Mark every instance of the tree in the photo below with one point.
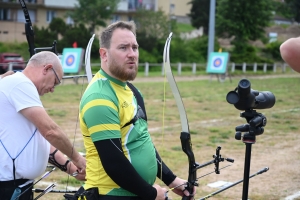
(77, 33)
(155, 24)
(151, 28)
(93, 12)
(244, 20)
(43, 37)
(58, 26)
(200, 14)
(292, 8)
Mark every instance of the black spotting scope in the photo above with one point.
(244, 98)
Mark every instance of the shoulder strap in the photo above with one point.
(138, 97)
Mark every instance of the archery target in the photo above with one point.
(217, 62)
(72, 60)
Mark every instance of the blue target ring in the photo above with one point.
(217, 62)
(70, 60)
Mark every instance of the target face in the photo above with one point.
(70, 60)
(217, 62)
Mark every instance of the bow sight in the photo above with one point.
(244, 98)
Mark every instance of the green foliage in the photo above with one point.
(77, 34)
(187, 51)
(291, 9)
(58, 26)
(272, 50)
(282, 9)
(183, 28)
(147, 57)
(243, 19)
(152, 24)
(44, 37)
(20, 48)
(246, 53)
(199, 14)
(93, 12)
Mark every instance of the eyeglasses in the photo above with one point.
(56, 77)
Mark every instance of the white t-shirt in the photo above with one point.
(17, 92)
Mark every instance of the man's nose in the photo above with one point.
(132, 52)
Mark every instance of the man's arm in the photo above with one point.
(290, 53)
(52, 132)
(112, 158)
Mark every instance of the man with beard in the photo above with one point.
(290, 53)
(122, 162)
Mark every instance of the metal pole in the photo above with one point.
(211, 30)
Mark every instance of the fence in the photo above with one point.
(231, 67)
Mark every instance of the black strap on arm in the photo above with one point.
(54, 162)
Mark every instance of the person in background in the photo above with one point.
(29, 138)
(290, 53)
(122, 162)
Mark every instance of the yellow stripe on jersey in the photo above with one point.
(98, 102)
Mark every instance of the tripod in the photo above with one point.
(255, 123)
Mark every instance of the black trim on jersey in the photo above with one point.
(139, 98)
(141, 112)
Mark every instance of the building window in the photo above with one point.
(69, 20)
(115, 18)
(172, 8)
(21, 18)
(50, 15)
(4, 14)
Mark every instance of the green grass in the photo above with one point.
(183, 27)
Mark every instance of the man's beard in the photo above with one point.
(120, 71)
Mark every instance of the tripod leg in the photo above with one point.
(247, 170)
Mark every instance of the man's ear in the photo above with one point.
(46, 68)
(103, 54)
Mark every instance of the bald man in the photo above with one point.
(290, 53)
(29, 138)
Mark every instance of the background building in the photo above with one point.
(41, 13)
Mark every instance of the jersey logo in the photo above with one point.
(125, 104)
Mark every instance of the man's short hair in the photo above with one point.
(105, 37)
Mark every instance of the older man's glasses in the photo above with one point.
(58, 81)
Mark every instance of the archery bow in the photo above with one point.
(28, 28)
(185, 136)
(88, 69)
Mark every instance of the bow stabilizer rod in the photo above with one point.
(233, 184)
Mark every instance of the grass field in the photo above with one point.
(212, 123)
